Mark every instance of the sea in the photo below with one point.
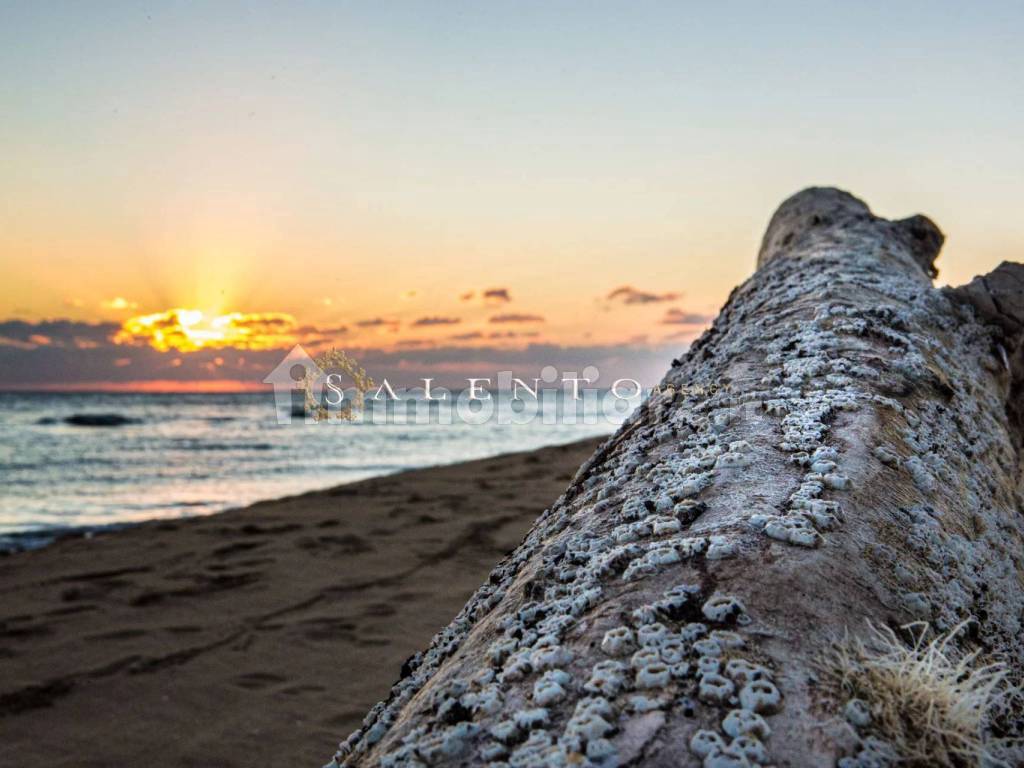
(179, 455)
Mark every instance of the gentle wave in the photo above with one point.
(200, 445)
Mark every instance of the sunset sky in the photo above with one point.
(188, 189)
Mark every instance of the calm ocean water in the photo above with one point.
(185, 455)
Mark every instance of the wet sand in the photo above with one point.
(259, 636)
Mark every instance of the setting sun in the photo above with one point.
(189, 330)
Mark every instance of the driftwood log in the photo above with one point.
(841, 449)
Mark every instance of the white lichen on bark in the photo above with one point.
(838, 448)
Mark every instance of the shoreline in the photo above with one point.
(272, 627)
(11, 543)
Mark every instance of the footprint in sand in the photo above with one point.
(347, 544)
(296, 690)
(120, 634)
(240, 546)
(256, 681)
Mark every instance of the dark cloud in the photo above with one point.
(315, 336)
(489, 295)
(377, 322)
(438, 321)
(497, 295)
(315, 330)
(414, 343)
(265, 323)
(513, 334)
(471, 335)
(517, 318)
(627, 294)
(59, 333)
(680, 317)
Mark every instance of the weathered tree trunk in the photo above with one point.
(840, 447)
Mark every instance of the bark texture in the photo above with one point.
(840, 447)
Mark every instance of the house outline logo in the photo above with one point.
(283, 378)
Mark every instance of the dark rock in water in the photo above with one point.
(46, 420)
(99, 420)
(299, 411)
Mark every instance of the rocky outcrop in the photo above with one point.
(839, 449)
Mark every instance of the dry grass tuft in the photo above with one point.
(929, 703)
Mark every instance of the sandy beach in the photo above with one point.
(259, 636)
